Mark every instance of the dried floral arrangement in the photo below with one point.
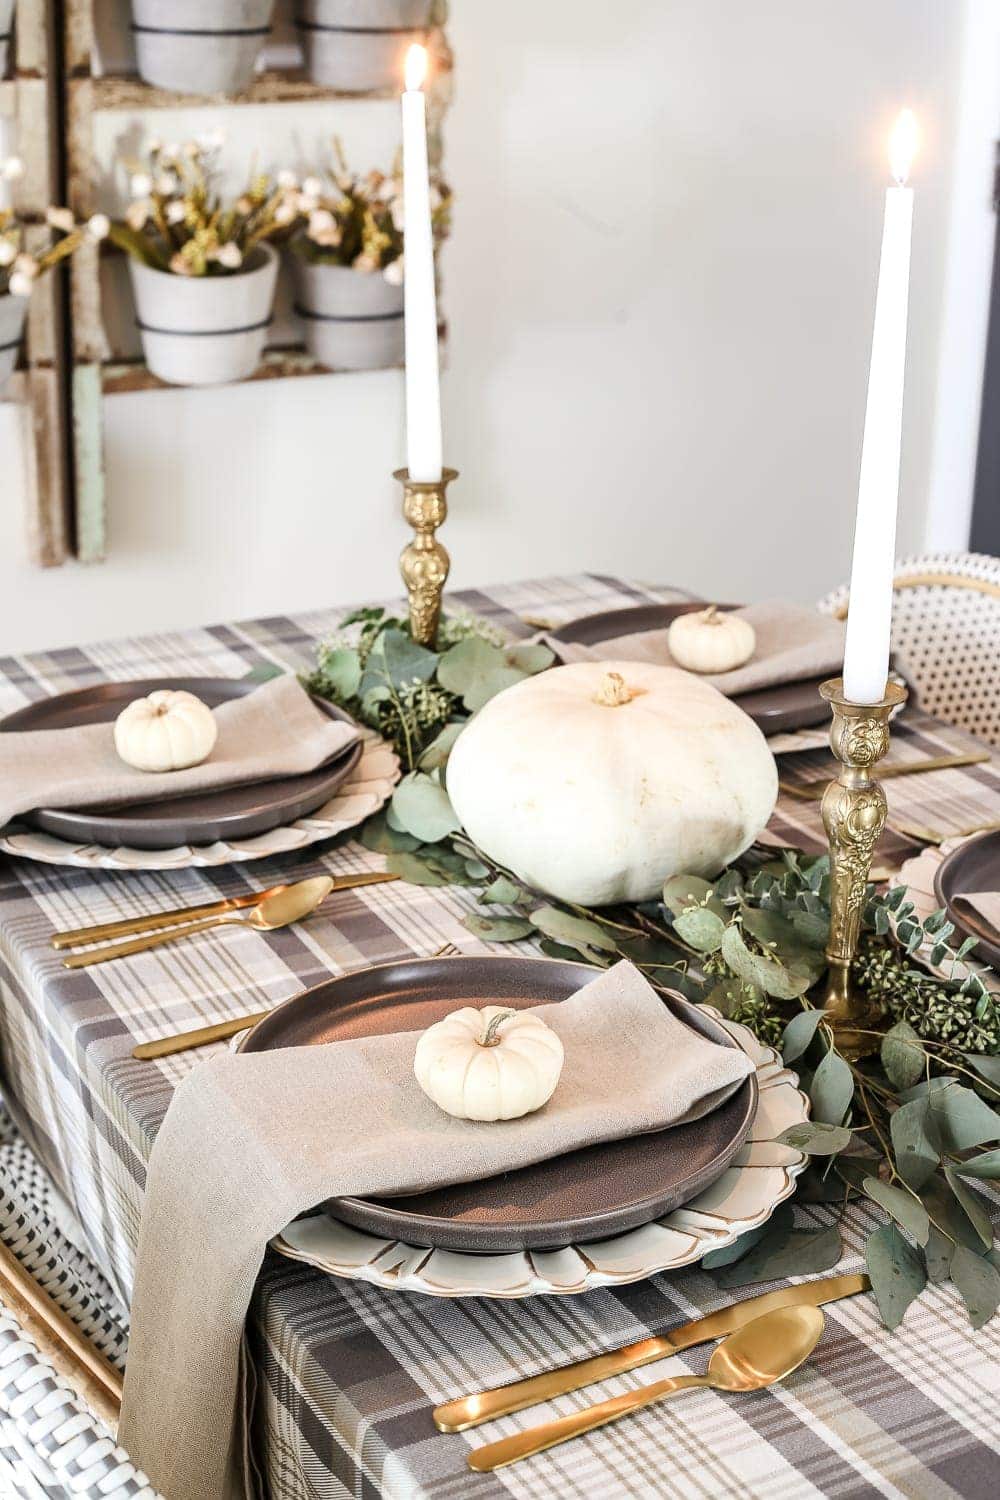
(21, 268)
(177, 220)
(357, 220)
(912, 1128)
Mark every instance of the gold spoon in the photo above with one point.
(278, 909)
(756, 1355)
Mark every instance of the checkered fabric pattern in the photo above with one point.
(347, 1374)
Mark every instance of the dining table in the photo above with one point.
(348, 1373)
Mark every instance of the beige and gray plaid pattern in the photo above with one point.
(348, 1374)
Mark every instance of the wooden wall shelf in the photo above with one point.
(291, 86)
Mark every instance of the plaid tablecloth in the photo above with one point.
(348, 1372)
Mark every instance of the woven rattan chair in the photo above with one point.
(946, 635)
(63, 1337)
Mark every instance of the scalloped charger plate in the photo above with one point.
(367, 788)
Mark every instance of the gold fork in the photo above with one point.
(202, 1036)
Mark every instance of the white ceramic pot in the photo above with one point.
(198, 48)
(355, 46)
(353, 319)
(13, 311)
(205, 330)
(6, 34)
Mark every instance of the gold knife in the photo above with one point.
(472, 1411)
(76, 937)
(812, 791)
(182, 1041)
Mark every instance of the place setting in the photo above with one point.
(439, 1031)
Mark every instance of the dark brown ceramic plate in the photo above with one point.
(237, 812)
(585, 1195)
(973, 866)
(790, 705)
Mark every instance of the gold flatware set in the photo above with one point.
(764, 1339)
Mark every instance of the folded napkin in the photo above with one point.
(274, 731)
(986, 904)
(793, 643)
(252, 1140)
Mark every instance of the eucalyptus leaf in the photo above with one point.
(744, 1242)
(772, 977)
(804, 1252)
(831, 1090)
(986, 1067)
(897, 1271)
(729, 888)
(815, 1138)
(916, 1142)
(381, 839)
(799, 1033)
(683, 891)
(938, 1253)
(475, 670)
(413, 870)
(435, 755)
(948, 1214)
(907, 1211)
(490, 685)
(396, 661)
(978, 1281)
(652, 953)
(573, 931)
(504, 892)
(987, 1165)
(812, 928)
(498, 929)
(902, 1056)
(777, 931)
(972, 1206)
(422, 807)
(565, 954)
(963, 1119)
(476, 870)
(701, 928)
(341, 670)
(530, 657)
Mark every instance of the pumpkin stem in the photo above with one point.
(711, 616)
(491, 1036)
(613, 691)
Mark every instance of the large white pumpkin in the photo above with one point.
(595, 782)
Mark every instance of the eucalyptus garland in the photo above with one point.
(912, 1129)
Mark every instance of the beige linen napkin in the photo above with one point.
(793, 643)
(274, 731)
(252, 1140)
(986, 903)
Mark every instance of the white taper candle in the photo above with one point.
(869, 620)
(423, 393)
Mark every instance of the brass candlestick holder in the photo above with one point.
(424, 563)
(854, 813)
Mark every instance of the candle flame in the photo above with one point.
(903, 143)
(416, 66)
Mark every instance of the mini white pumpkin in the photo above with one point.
(165, 732)
(709, 640)
(489, 1064)
(596, 781)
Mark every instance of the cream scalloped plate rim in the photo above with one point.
(368, 789)
(762, 1175)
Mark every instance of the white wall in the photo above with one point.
(660, 294)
